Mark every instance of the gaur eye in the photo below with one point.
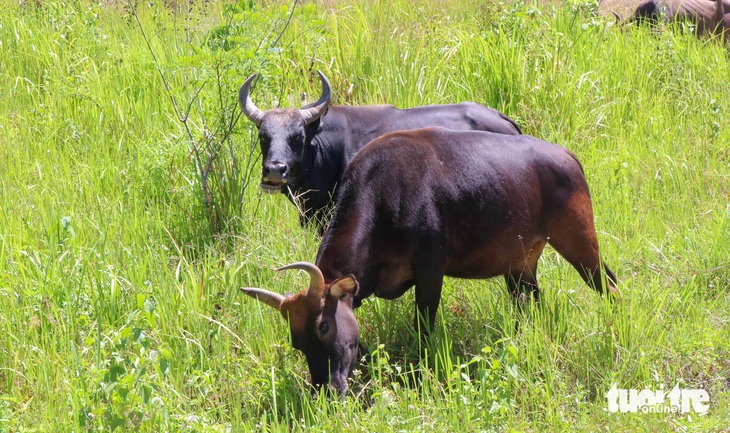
(324, 327)
(299, 137)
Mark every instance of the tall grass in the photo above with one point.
(121, 308)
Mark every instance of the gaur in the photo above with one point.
(305, 151)
(415, 206)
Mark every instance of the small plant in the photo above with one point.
(202, 87)
(121, 390)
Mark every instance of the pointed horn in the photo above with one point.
(320, 107)
(247, 106)
(316, 279)
(618, 18)
(269, 298)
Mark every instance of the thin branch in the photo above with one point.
(154, 57)
(286, 24)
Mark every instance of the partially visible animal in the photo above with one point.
(419, 205)
(305, 151)
(705, 14)
(709, 16)
(722, 17)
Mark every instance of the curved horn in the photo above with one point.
(269, 298)
(618, 18)
(316, 279)
(320, 107)
(247, 106)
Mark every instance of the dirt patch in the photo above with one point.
(624, 8)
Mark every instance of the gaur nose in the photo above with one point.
(275, 171)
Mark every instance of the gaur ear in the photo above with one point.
(269, 298)
(343, 287)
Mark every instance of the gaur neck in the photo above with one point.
(342, 252)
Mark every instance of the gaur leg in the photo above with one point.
(429, 282)
(321, 219)
(314, 209)
(582, 253)
(523, 287)
(573, 235)
(522, 283)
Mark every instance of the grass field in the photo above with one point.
(130, 216)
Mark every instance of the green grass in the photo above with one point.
(120, 284)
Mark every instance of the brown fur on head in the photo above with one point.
(322, 324)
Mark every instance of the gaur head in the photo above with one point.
(322, 324)
(283, 135)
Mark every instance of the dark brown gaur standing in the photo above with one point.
(305, 151)
(416, 206)
(710, 16)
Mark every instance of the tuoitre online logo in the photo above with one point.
(678, 400)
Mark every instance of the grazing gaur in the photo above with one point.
(419, 205)
(707, 15)
(305, 151)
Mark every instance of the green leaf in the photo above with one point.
(149, 305)
(116, 422)
(164, 366)
(141, 298)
